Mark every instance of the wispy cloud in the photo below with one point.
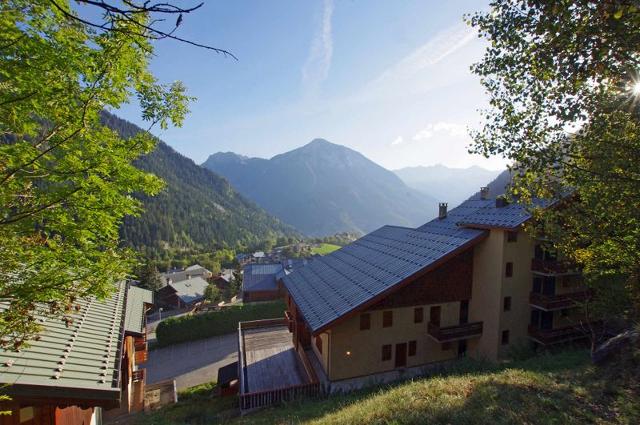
(440, 128)
(452, 129)
(397, 141)
(431, 65)
(316, 68)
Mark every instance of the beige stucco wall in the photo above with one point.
(365, 347)
(518, 288)
(486, 301)
(490, 286)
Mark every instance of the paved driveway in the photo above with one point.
(192, 363)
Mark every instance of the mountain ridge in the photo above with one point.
(323, 188)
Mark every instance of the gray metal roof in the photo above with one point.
(188, 273)
(190, 290)
(336, 284)
(134, 316)
(507, 217)
(261, 277)
(81, 360)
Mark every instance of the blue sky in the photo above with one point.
(390, 79)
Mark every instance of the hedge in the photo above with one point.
(175, 330)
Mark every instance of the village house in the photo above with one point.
(401, 301)
(182, 294)
(261, 282)
(195, 270)
(81, 369)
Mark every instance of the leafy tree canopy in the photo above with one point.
(66, 180)
(564, 82)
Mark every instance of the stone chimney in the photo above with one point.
(484, 192)
(442, 211)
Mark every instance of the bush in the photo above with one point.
(189, 328)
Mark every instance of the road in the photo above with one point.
(192, 363)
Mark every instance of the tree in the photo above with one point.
(563, 82)
(212, 294)
(150, 278)
(66, 181)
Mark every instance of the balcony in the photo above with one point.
(289, 318)
(552, 267)
(271, 369)
(559, 335)
(454, 333)
(138, 375)
(557, 302)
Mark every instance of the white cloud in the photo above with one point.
(316, 68)
(449, 128)
(397, 141)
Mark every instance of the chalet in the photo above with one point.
(195, 270)
(182, 294)
(81, 370)
(223, 279)
(400, 301)
(260, 282)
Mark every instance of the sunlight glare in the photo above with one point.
(635, 88)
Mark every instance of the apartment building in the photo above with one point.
(399, 301)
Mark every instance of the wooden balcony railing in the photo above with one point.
(454, 333)
(557, 302)
(141, 356)
(558, 335)
(289, 318)
(552, 267)
(138, 375)
(256, 400)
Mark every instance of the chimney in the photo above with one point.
(442, 211)
(484, 192)
(501, 201)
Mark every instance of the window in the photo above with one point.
(319, 343)
(386, 352)
(564, 312)
(365, 321)
(462, 348)
(508, 271)
(512, 236)
(434, 315)
(506, 304)
(387, 319)
(413, 346)
(418, 315)
(505, 337)
(464, 312)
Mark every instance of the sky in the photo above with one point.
(389, 79)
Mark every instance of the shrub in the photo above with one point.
(175, 330)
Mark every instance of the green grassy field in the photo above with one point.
(324, 249)
(564, 388)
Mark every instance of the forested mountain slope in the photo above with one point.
(197, 208)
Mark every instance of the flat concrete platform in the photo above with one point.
(271, 360)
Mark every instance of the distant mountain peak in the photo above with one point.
(324, 188)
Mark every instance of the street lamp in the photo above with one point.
(160, 314)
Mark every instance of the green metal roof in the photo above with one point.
(79, 360)
(134, 316)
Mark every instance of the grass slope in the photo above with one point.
(324, 249)
(551, 389)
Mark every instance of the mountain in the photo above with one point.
(451, 185)
(323, 188)
(197, 207)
